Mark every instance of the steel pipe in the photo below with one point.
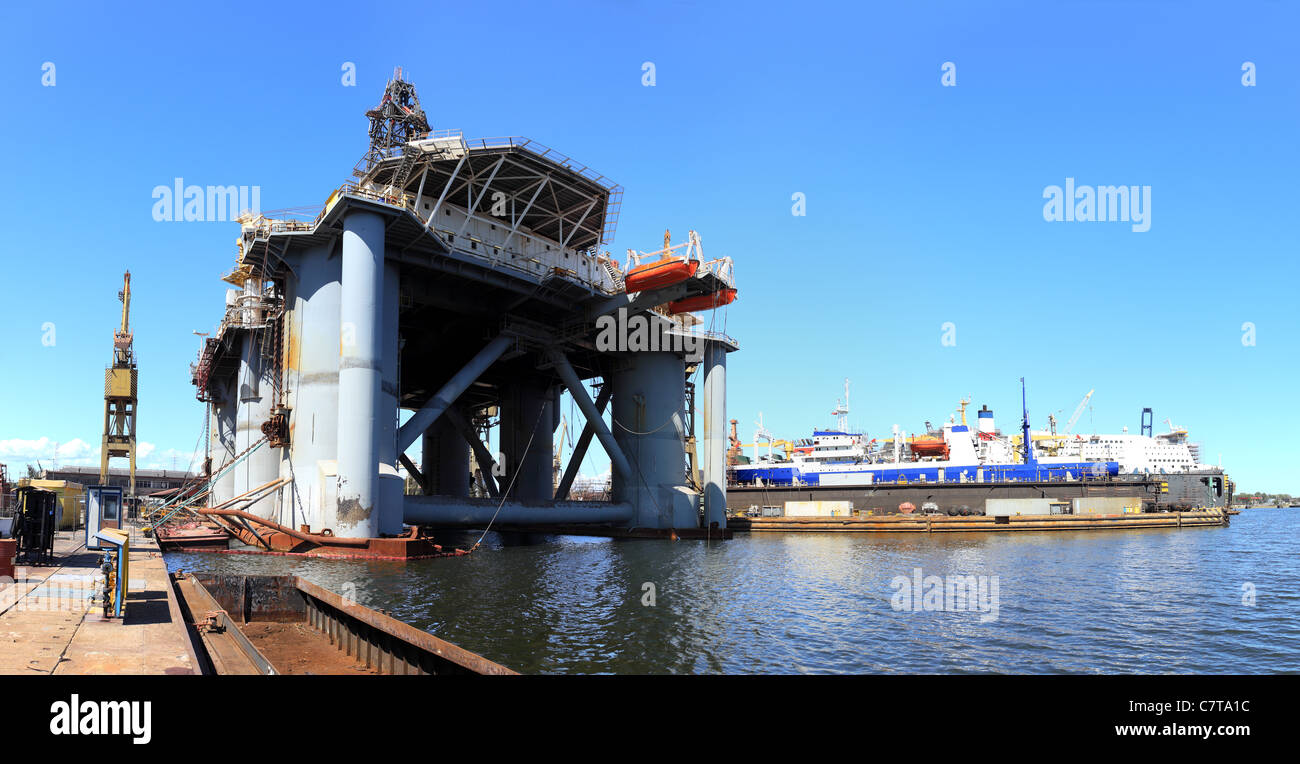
(441, 510)
(447, 395)
(580, 448)
(594, 417)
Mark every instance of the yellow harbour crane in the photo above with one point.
(120, 395)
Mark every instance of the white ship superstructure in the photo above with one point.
(1162, 454)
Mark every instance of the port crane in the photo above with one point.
(762, 433)
(557, 466)
(1053, 440)
(786, 446)
(120, 395)
(1078, 412)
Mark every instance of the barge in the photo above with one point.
(1154, 492)
(263, 625)
(935, 523)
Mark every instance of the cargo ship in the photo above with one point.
(956, 469)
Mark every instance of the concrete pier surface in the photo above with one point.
(50, 622)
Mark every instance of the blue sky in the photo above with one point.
(924, 203)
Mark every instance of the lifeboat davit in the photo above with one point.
(929, 445)
(703, 302)
(659, 274)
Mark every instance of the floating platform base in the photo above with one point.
(707, 534)
(1216, 516)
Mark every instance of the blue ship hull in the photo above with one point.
(789, 475)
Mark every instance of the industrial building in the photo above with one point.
(449, 288)
(146, 481)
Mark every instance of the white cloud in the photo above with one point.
(168, 458)
(48, 452)
(19, 452)
(77, 449)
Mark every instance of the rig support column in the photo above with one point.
(222, 434)
(446, 460)
(313, 376)
(526, 433)
(360, 362)
(390, 482)
(256, 397)
(649, 398)
(714, 462)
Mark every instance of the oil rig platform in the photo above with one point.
(449, 288)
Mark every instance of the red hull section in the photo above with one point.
(660, 274)
(703, 302)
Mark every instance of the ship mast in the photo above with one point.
(1029, 439)
(841, 409)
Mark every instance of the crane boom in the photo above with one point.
(126, 303)
(1078, 412)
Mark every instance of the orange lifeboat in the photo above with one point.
(929, 445)
(703, 302)
(660, 273)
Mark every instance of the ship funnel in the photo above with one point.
(985, 420)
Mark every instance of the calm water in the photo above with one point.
(1102, 601)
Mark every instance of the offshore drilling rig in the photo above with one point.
(120, 395)
(449, 287)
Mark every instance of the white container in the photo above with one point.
(1004, 507)
(818, 508)
(1107, 505)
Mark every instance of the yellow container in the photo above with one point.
(71, 498)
